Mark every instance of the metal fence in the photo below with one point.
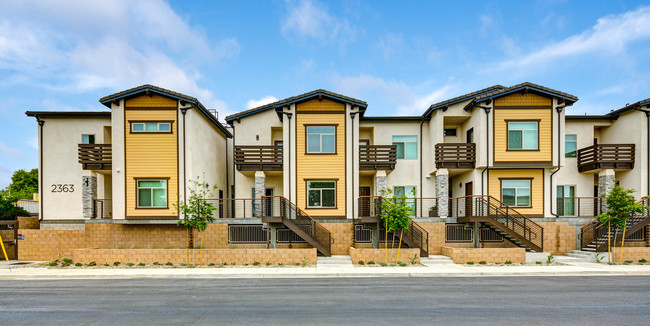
(247, 234)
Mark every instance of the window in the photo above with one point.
(515, 193)
(321, 139)
(449, 132)
(522, 135)
(87, 139)
(409, 192)
(407, 146)
(321, 194)
(151, 127)
(565, 200)
(152, 193)
(570, 145)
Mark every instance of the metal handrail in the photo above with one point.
(595, 232)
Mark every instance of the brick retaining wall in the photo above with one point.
(634, 253)
(177, 256)
(378, 255)
(489, 255)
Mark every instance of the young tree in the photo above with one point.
(396, 215)
(622, 205)
(196, 212)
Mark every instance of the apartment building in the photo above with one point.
(498, 167)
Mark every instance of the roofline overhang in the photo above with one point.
(68, 114)
(567, 100)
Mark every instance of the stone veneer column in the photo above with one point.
(88, 193)
(380, 180)
(442, 191)
(260, 190)
(605, 182)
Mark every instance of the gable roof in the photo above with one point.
(461, 98)
(529, 87)
(300, 98)
(147, 89)
(611, 115)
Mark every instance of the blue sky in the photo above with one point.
(399, 56)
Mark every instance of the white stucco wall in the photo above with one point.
(61, 137)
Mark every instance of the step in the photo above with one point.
(334, 260)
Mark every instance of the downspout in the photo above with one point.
(421, 159)
(183, 111)
(40, 163)
(487, 110)
(559, 157)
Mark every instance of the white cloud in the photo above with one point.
(257, 103)
(390, 44)
(86, 45)
(397, 93)
(487, 23)
(10, 153)
(611, 35)
(306, 19)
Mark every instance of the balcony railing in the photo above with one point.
(370, 206)
(102, 208)
(581, 206)
(455, 155)
(606, 156)
(95, 156)
(258, 158)
(377, 157)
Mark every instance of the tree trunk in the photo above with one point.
(201, 251)
(386, 244)
(609, 237)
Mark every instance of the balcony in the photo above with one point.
(258, 158)
(606, 156)
(455, 155)
(377, 157)
(95, 156)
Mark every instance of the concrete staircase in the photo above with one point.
(334, 261)
(435, 260)
(586, 256)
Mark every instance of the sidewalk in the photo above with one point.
(11, 271)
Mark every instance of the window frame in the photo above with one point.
(575, 153)
(415, 205)
(137, 192)
(536, 121)
(530, 191)
(89, 135)
(444, 132)
(157, 122)
(307, 189)
(564, 202)
(393, 142)
(307, 152)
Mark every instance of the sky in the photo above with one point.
(398, 56)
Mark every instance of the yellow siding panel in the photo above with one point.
(522, 100)
(501, 152)
(323, 105)
(536, 191)
(153, 101)
(325, 167)
(151, 156)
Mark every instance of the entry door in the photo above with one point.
(269, 203)
(364, 201)
(469, 191)
(470, 135)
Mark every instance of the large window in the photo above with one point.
(565, 200)
(152, 193)
(515, 193)
(408, 192)
(523, 135)
(407, 146)
(163, 127)
(321, 194)
(87, 139)
(321, 139)
(570, 145)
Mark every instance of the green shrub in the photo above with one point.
(280, 264)
(92, 263)
(78, 264)
(643, 261)
(169, 263)
(361, 262)
(141, 264)
(256, 263)
(116, 263)
(371, 262)
(403, 264)
(305, 261)
(470, 263)
(627, 262)
(106, 264)
(268, 263)
(130, 264)
(508, 262)
(383, 264)
(414, 259)
(211, 264)
(482, 262)
(538, 262)
(550, 258)
(156, 263)
(598, 257)
(67, 261)
(182, 264)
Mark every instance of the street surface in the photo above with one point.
(616, 300)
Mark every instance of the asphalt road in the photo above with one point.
(341, 301)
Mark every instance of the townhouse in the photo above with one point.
(499, 167)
